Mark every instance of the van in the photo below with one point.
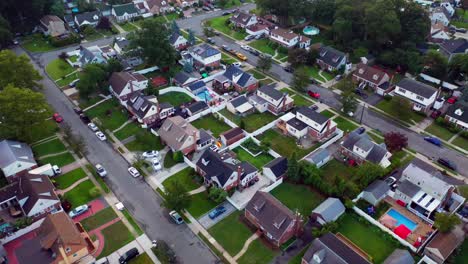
(127, 256)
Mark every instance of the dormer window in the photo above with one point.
(375, 77)
(459, 112)
(361, 71)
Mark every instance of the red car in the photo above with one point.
(452, 100)
(313, 94)
(58, 118)
(436, 114)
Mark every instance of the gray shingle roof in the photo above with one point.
(12, 151)
(399, 256)
(330, 209)
(92, 17)
(455, 110)
(455, 45)
(418, 88)
(378, 188)
(270, 90)
(204, 50)
(278, 166)
(331, 56)
(313, 115)
(408, 188)
(125, 8)
(319, 156)
(364, 144)
(297, 124)
(238, 101)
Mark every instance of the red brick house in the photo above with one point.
(237, 79)
(232, 136)
(147, 109)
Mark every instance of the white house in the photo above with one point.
(458, 115)
(204, 55)
(239, 105)
(243, 19)
(147, 109)
(124, 12)
(15, 158)
(178, 41)
(360, 148)
(277, 101)
(331, 59)
(421, 96)
(310, 122)
(440, 15)
(87, 18)
(123, 84)
(276, 168)
(289, 39)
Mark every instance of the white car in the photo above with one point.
(78, 211)
(245, 47)
(150, 154)
(56, 169)
(237, 64)
(101, 136)
(100, 170)
(214, 148)
(134, 172)
(93, 127)
(156, 164)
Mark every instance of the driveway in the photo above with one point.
(207, 222)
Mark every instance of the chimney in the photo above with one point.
(298, 223)
(239, 174)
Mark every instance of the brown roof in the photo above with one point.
(119, 80)
(232, 133)
(443, 244)
(175, 131)
(303, 38)
(369, 73)
(287, 34)
(59, 229)
(50, 18)
(35, 187)
(241, 18)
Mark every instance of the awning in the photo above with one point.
(402, 231)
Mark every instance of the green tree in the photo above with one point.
(311, 174)
(300, 79)
(459, 67)
(5, 32)
(293, 172)
(176, 197)
(85, 5)
(17, 71)
(216, 194)
(191, 38)
(264, 63)
(402, 108)
(436, 64)
(178, 157)
(76, 142)
(91, 80)
(242, 124)
(446, 222)
(297, 57)
(57, 8)
(367, 173)
(113, 65)
(104, 23)
(349, 102)
(174, 27)
(21, 109)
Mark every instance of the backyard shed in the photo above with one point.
(328, 211)
(375, 192)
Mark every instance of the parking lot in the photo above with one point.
(207, 222)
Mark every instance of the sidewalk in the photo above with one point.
(142, 243)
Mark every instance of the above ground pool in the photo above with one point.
(311, 30)
(402, 220)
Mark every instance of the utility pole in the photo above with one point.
(362, 112)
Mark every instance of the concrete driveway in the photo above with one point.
(207, 222)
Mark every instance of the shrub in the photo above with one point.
(57, 42)
(178, 157)
(464, 134)
(23, 222)
(94, 192)
(388, 97)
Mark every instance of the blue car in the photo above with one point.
(433, 140)
(217, 212)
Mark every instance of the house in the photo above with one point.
(331, 249)
(376, 79)
(52, 26)
(375, 192)
(87, 18)
(16, 158)
(277, 102)
(66, 240)
(275, 221)
(178, 41)
(123, 84)
(319, 157)
(308, 122)
(443, 244)
(328, 211)
(204, 55)
(235, 78)
(205, 140)
(399, 256)
(197, 87)
(232, 136)
(158, 7)
(457, 114)
(196, 107)
(330, 59)
(121, 45)
(258, 29)
(421, 96)
(179, 135)
(440, 15)
(453, 47)
(243, 19)
(439, 33)
(289, 39)
(90, 55)
(224, 171)
(183, 79)
(276, 169)
(360, 148)
(69, 20)
(147, 109)
(125, 12)
(240, 106)
(448, 7)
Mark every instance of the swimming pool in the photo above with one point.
(311, 30)
(402, 220)
(205, 95)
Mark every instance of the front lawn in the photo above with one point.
(461, 142)
(80, 194)
(300, 100)
(257, 74)
(219, 23)
(390, 107)
(439, 131)
(58, 68)
(128, 27)
(262, 45)
(296, 196)
(462, 256)
(115, 236)
(200, 204)
(49, 147)
(313, 72)
(43, 130)
(145, 141)
(252, 122)
(109, 113)
(283, 144)
(99, 218)
(344, 124)
(127, 131)
(141, 259)
(66, 180)
(327, 113)
(257, 253)
(231, 233)
(258, 161)
(211, 123)
(174, 98)
(36, 43)
(169, 161)
(59, 160)
(184, 177)
(67, 80)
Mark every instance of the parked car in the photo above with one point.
(211, 40)
(435, 114)
(452, 100)
(56, 169)
(289, 69)
(214, 148)
(176, 217)
(134, 172)
(241, 56)
(101, 136)
(361, 130)
(57, 118)
(249, 37)
(206, 8)
(225, 47)
(100, 170)
(245, 47)
(314, 107)
(254, 52)
(360, 93)
(78, 211)
(313, 94)
(85, 119)
(77, 110)
(93, 127)
(226, 13)
(156, 164)
(464, 211)
(260, 36)
(338, 77)
(390, 180)
(217, 212)
(129, 255)
(73, 83)
(447, 163)
(433, 140)
(460, 30)
(265, 55)
(150, 154)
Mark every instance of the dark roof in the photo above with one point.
(238, 101)
(50, 18)
(270, 213)
(247, 169)
(241, 18)
(378, 188)
(232, 133)
(331, 56)
(59, 230)
(174, 37)
(377, 153)
(458, 111)
(232, 72)
(408, 188)
(278, 166)
(125, 8)
(270, 90)
(284, 33)
(297, 124)
(197, 107)
(313, 115)
(455, 45)
(399, 256)
(214, 166)
(204, 136)
(204, 50)
(141, 104)
(416, 87)
(91, 17)
(181, 77)
(123, 44)
(119, 80)
(352, 138)
(68, 18)
(363, 141)
(165, 105)
(196, 85)
(369, 73)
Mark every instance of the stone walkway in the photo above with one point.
(53, 154)
(198, 190)
(72, 166)
(98, 103)
(119, 28)
(246, 246)
(44, 140)
(122, 126)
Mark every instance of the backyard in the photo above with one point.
(257, 253)
(109, 114)
(391, 107)
(184, 177)
(211, 123)
(252, 122)
(59, 160)
(58, 68)
(115, 237)
(462, 256)
(284, 145)
(334, 168)
(66, 180)
(49, 147)
(200, 204)
(81, 194)
(258, 161)
(296, 196)
(99, 218)
(174, 98)
(219, 23)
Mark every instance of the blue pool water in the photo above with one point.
(311, 30)
(205, 96)
(401, 219)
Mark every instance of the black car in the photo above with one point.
(314, 107)
(447, 163)
(288, 69)
(254, 52)
(127, 256)
(226, 13)
(361, 130)
(464, 211)
(225, 47)
(77, 110)
(360, 93)
(85, 119)
(210, 40)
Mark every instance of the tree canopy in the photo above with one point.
(91, 79)
(17, 71)
(5, 32)
(176, 197)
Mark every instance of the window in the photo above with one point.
(420, 98)
(401, 90)
(67, 250)
(74, 255)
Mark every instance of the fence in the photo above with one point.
(179, 90)
(150, 69)
(437, 81)
(226, 120)
(271, 152)
(211, 77)
(272, 186)
(199, 115)
(23, 231)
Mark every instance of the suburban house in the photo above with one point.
(179, 135)
(274, 220)
(308, 122)
(232, 136)
(123, 84)
(399, 256)
(147, 109)
(204, 55)
(377, 80)
(87, 18)
(360, 148)
(196, 107)
(443, 244)
(243, 19)
(375, 192)
(240, 106)
(53, 26)
(319, 157)
(66, 241)
(289, 39)
(452, 47)
(421, 96)
(121, 45)
(439, 33)
(328, 211)
(258, 29)
(331, 249)
(124, 12)
(447, 4)
(157, 7)
(235, 78)
(271, 99)
(276, 169)
(16, 158)
(330, 59)
(183, 79)
(224, 171)
(178, 41)
(458, 114)
(89, 55)
(440, 15)
(69, 20)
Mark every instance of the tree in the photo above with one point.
(178, 157)
(242, 124)
(311, 173)
(264, 63)
(77, 143)
(436, 64)
(57, 8)
(191, 38)
(349, 102)
(216, 194)
(5, 32)
(85, 5)
(395, 141)
(402, 108)
(17, 71)
(367, 173)
(293, 172)
(91, 79)
(446, 222)
(21, 109)
(104, 23)
(153, 38)
(300, 79)
(459, 67)
(175, 28)
(113, 65)
(312, 56)
(297, 57)
(176, 197)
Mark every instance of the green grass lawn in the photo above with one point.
(462, 256)
(344, 124)
(59, 160)
(49, 147)
(335, 168)
(390, 107)
(36, 43)
(439, 131)
(210, 123)
(127, 131)
(185, 177)
(132, 221)
(43, 130)
(200, 204)
(110, 120)
(67, 80)
(231, 233)
(252, 122)
(58, 68)
(172, 16)
(227, 59)
(313, 72)
(80, 194)
(258, 161)
(262, 45)
(300, 100)
(327, 113)
(461, 142)
(116, 236)
(145, 141)
(141, 259)
(296, 196)
(369, 238)
(174, 98)
(377, 139)
(169, 160)
(66, 180)
(219, 23)
(128, 27)
(257, 253)
(98, 219)
(258, 75)
(98, 178)
(284, 145)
